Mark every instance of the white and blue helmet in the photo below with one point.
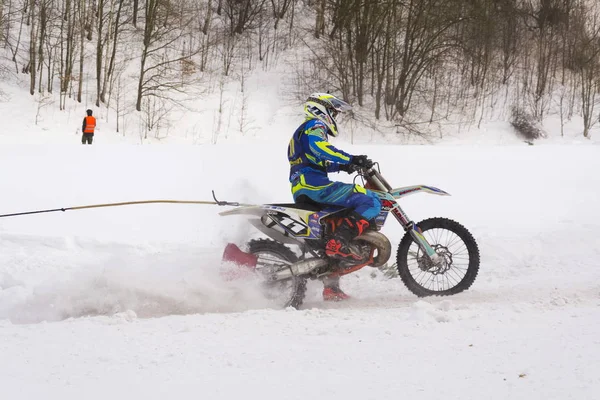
(325, 107)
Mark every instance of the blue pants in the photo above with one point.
(361, 200)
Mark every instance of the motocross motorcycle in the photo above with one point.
(437, 256)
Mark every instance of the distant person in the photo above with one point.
(88, 127)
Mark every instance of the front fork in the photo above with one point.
(407, 224)
(415, 232)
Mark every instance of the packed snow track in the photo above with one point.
(128, 302)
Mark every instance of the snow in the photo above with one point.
(361, 355)
(128, 302)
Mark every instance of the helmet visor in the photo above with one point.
(340, 105)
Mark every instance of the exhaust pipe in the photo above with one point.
(299, 268)
(246, 263)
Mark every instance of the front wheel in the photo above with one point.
(459, 259)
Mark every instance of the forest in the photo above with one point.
(407, 63)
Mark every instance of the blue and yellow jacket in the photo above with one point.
(311, 157)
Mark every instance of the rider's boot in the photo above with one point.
(339, 246)
(332, 291)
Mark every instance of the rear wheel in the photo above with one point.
(459, 254)
(272, 257)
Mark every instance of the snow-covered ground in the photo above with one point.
(128, 303)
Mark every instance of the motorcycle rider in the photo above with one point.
(311, 158)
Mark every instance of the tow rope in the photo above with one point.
(128, 203)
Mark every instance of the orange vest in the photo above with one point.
(90, 124)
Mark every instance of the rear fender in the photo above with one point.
(287, 225)
(408, 190)
(274, 234)
(257, 211)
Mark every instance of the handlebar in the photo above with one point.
(374, 177)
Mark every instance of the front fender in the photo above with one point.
(408, 190)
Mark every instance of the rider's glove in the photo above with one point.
(349, 168)
(361, 162)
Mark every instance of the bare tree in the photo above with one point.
(136, 6)
(100, 42)
(33, 38)
(44, 101)
(114, 30)
(243, 14)
(161, 58)
(545, 19)
(320, 19)
(509, 27)
(207, 17)
(586, 60)
(45, 14)
(2, 23)
(280, 7)
(67, 49)
(15, 49)
(83, 25)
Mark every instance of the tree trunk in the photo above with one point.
(32, 47)
(42, 24)
(320, 22)
(207, 18)
(151, 13)
(135, 12)
(111, 64)
(99, 51)
(82, 12)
